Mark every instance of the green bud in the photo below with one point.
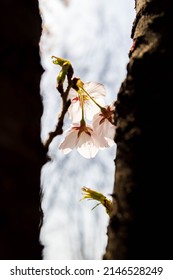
(60, 61)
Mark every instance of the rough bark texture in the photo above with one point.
(141, 224)
(20, 147)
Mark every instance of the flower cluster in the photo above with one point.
(92, 122)
(92, 127)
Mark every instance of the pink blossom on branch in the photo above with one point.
(103, 125)
(79, 98)
(84, 139)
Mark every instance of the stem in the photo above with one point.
(92, 98)
(83, 115)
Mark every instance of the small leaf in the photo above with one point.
(94, 195)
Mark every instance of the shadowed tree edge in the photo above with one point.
(22, 154)
(140, 225)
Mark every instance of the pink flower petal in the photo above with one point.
(69, 142)
(104, 129)
(96, 90)
(87, 146)
(75, 112)
(72, 93)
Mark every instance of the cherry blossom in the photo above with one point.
(84, 139)
(90, 96)
(103, 125)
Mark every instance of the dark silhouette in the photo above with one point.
(21, 150)
(141, 223)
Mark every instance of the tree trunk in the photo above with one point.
(141, 223)
(20, 146)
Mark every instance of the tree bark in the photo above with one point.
(141, 223)
(20, 147)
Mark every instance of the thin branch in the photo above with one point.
(65, 105)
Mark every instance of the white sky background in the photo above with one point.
(95, 36)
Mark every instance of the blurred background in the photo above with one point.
(95, 36)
